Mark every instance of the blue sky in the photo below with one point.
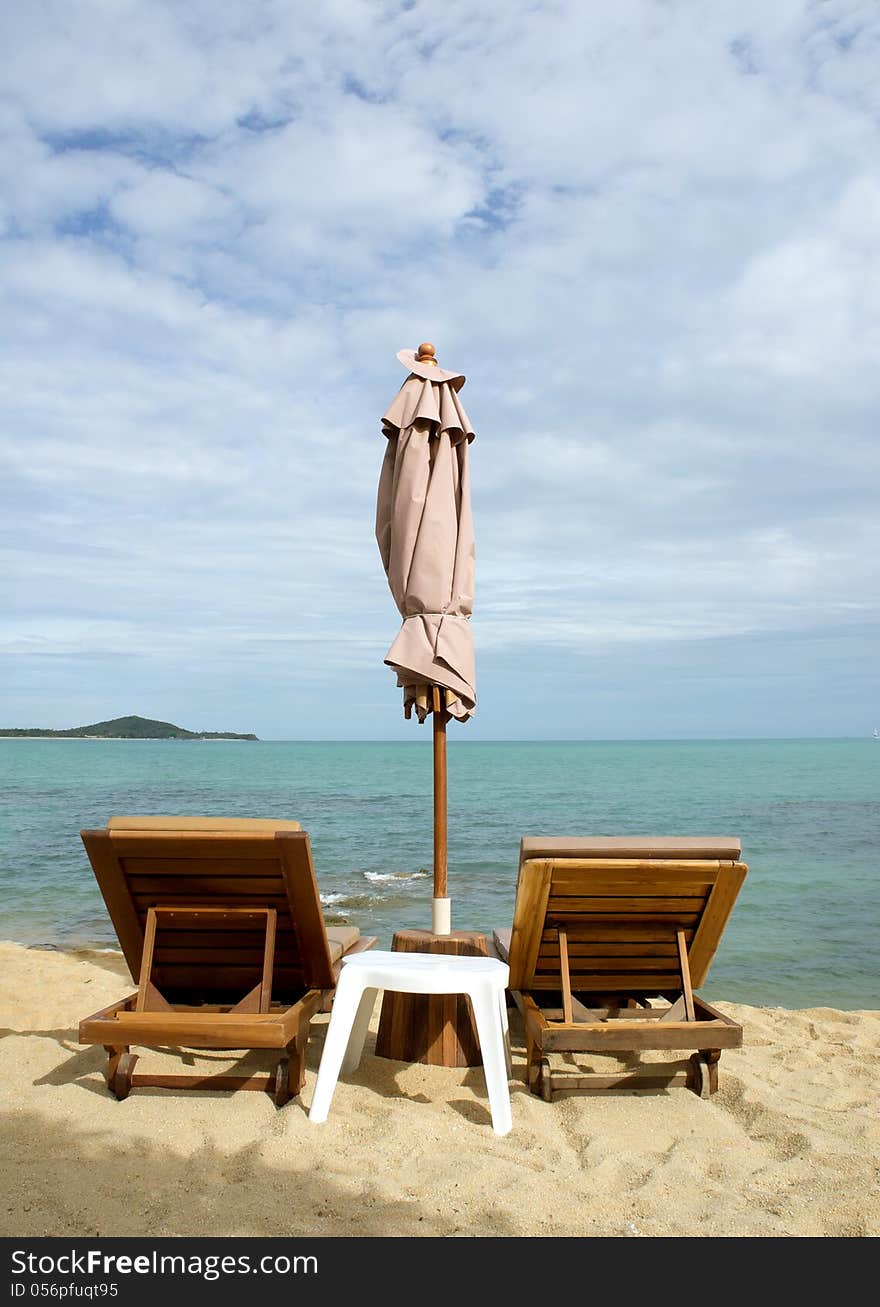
(648, 233)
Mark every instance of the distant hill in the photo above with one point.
(127, 728)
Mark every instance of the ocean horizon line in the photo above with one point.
(348, 739)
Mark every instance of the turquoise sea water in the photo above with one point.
(805, 931)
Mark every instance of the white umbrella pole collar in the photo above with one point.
(441, 916)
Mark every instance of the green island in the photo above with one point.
(124, 728)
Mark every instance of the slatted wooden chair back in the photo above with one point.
(225, 865)
(613, 909)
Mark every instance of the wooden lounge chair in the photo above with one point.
(221, 925)
(602, 929)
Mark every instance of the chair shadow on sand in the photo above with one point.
(84, 1067)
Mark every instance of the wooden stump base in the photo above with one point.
(434, 1028)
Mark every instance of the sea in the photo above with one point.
(805, 931)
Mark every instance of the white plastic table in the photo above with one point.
(363, 975)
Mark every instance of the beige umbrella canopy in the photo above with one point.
(424, 529)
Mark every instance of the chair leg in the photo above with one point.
(359, 1028)
(533, 1062)
(280, 1084)
(489, 1030)
(123, 1070)
(704, 1072)
(345, 1011)
(505, 1033)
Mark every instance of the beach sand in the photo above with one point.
(789, 1146)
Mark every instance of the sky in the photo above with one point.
(648, 233)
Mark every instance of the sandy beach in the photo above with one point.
(788, 1147)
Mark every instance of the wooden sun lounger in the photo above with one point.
(221, 925)
(602, 929)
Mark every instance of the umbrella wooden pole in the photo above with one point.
(435, 1028)
(440, 910)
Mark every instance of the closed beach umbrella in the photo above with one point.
(425, 534)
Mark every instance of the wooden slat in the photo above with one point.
(602, 930)
(204, 1082)
(656, 869)
(630, 982)
(234, 964)
(193, 898)
(178, 1018)
(223, 825)
(686, 991)
(595, 1014)
(244, 846)
(658, 1035)
(161, 865)
(611, 877)
(612, 949)
(305, 908)
(147, 959)
(268, 960)
(208, 936)
(439, 1017)
(204, 956)
(201, 914)
(145, 901)
(202, 1009)
(655, 1078)
(123, 912)
(622, 905)
(218, 1082)
(185, 1028)
(399, 1028)
(578, 966)
(211, 977)
(155, 1029)
(670, 920)
(715, 918)
(201, 886)
(529, 912)
(565, 975)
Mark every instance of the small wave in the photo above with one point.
(354, 900)
(377, 876)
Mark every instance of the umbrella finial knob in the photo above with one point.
(425, 354)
